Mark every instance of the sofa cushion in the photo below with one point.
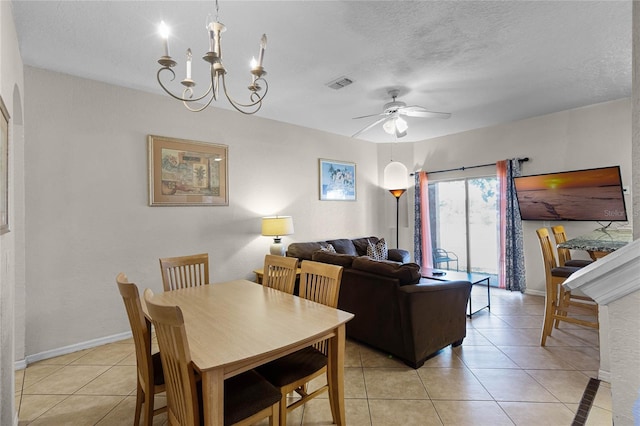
(407, 273)
(340, 259)
(399, 255)
(378, 251)
(343, 246)
(303, 251)
(361, 244)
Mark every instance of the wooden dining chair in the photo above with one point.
(248, 398)
(564, 255)
(150, 379)
(319, 282)
(280, 272)
(184, 271)
(561, 304)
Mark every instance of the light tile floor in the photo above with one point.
(499, 376)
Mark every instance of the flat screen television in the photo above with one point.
(586, 195)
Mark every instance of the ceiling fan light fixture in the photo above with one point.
(389, 126)
(401, 125)
(396, 126)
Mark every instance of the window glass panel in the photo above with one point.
(464, 221)
(483, 225)
(449, 222)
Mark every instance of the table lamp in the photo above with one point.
(276, 226)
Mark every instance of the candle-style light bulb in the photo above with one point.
(254, 65)
(211, 31)
(263, 45)
(163, 29)
(189, 64)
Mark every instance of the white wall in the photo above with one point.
(86, 198)
(594, 136)
(11, 244)
(636, 119)
(624, 319)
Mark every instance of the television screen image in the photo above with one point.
(586, 195)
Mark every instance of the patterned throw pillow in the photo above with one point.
(378, 251)
(329, 248)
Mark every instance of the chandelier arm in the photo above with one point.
(187, 106)
(254, 97)
(257, 103)
(183, 99)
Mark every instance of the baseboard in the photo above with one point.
(604, 376)
(535, 292)
(20, 364)
(76, 347)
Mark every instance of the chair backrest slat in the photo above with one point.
(280, 272)
(184, 271)
(549, 262)
(180, 379)
(139, 328)
(560, 237)
(320, 282)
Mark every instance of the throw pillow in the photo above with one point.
(378, 251)
(328, 248)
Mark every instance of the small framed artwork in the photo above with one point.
(4, 168)
(337, 180)
(187, 173)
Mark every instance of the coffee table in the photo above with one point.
(473, 277)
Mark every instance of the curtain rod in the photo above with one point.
(463, 168)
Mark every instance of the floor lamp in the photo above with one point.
(397, 193)
(395, 180)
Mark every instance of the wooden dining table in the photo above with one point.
(235, 326)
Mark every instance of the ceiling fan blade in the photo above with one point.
(367, 116)
(375, 123)
(418, 111)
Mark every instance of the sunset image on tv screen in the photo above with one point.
(594, 194)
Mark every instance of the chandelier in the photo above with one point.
(217, 72)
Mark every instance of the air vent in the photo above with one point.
(340, 83)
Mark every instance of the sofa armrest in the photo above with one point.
(399, 255)
(427, 285)
(433, 315)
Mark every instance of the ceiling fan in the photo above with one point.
(391, 120)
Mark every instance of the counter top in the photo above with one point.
(601, 240)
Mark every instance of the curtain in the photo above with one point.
(511, 273)
(422, 229)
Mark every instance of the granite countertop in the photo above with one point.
(605, 240)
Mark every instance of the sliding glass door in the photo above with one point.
(465, 225)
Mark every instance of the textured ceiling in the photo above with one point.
(485, 62)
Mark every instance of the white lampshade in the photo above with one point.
(395, 176)
(276, 226)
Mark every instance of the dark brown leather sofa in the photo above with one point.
(396, 311)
